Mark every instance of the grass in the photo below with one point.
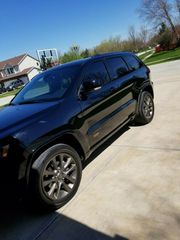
(164, 56)
(11, 93)
(145, 55)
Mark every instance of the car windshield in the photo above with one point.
(47, 86)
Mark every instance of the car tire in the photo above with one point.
(145, 111)
(56, 176)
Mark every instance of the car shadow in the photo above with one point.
(18, 222)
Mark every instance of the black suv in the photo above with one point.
(57, 120)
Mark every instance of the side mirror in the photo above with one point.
(92, 85)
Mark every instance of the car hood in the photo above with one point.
(15, 117)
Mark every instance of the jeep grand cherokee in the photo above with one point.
(57, 120)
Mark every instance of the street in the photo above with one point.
(131, 190)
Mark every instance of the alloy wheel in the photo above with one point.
(147, 106)
(59, 176)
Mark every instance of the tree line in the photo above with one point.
(162, 18)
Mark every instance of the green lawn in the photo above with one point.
(163, 56)
(11, 93)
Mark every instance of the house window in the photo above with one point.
(10, 70)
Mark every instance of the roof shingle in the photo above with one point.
(12, 61)
(19, 74)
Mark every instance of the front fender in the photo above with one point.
(36, 149)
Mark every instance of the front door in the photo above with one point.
(94, 104)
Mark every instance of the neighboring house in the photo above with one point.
(23, 67)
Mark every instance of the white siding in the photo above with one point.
(28, 62)
(4, 73)
(33, 73)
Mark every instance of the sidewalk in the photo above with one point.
(5, 100)
(141, 53)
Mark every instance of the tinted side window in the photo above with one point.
(132, 62)
(96, 71)
(117, 67)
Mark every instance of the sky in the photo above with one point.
(28, 25)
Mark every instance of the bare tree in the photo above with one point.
(143, 35)
(158, 11)
(133, 37)
(178, 6)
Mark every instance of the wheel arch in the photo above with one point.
(66, 138)
(148, 89)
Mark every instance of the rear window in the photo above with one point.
(132, 62)
(117, 67)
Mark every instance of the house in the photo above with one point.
(23, 67)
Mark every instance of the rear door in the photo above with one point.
(120, 92)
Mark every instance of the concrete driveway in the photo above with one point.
(130, 191)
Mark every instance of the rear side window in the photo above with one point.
(132, 62)
(117, 67)
(97, 71)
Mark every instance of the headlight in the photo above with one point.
(4, 151)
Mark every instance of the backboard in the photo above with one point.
(48, 55)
